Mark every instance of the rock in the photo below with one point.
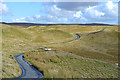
(48, 49)
(116, 64)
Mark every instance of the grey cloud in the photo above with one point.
(75, 6)
(70, 6)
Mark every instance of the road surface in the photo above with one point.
(28, 71)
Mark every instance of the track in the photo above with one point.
(28, 71)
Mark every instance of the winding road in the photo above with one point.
(28, 71)
(98, 31)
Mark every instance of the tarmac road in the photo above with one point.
(28, 71)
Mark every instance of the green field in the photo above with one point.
(91, 56)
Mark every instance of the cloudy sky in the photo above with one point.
(60, 12)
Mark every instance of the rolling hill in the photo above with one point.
(94, 55)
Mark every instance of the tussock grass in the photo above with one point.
(92, 56)
(61, 64)
(16, 40)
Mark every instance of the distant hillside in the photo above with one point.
(36, 24)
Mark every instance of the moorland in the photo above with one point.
(93, 55)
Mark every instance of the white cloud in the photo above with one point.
(106, 12)
(112, 8)
(99, 13)
(77, 14)
(18, 20)
(65, 19)
(50, 16)
(0, 19)
(22, 18)
(110, 5)
(30, 18)
(56, 8)
(1, 0)
(93, 12)
(3, 8)
(37, 16)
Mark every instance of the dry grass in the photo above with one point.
(61, 64)
(92, 55)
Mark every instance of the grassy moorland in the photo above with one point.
(92, 56)
(0, 52)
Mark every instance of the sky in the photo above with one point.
(59, 12)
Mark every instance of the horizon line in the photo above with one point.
(58, 23)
